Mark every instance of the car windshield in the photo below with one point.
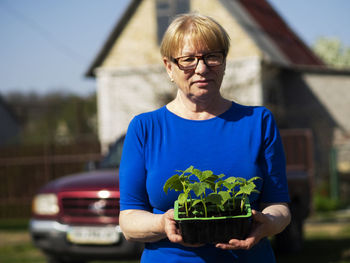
(112, 159)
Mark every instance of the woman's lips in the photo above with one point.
(201, 82)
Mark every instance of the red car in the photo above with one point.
(75, 218)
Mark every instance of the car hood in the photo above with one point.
(93, 180)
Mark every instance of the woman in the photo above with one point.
(200, 128)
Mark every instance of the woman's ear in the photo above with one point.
(168, 67)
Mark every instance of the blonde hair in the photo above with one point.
(203, 30)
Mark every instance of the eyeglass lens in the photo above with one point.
(211, 60)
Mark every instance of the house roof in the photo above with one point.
(268, 29)
(117, 30)
(280, 33)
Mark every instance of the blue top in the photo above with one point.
(243, 142)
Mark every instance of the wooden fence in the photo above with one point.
(22, 175)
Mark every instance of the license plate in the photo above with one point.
(93, 235)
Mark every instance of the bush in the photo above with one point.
(325, 204)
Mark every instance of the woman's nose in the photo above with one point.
(201, 66)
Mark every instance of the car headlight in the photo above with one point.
(45, 204)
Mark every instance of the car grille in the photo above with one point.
(90, 207)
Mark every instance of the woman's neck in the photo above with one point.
(198, 110)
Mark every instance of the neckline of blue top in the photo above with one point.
(173, 115)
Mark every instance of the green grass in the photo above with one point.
(15, 247)
(16, 224)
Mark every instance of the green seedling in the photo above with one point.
(246, 187)
(208, 188)
(181, 183)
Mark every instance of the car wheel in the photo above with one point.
(55, 259)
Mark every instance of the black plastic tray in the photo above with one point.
(214, 229)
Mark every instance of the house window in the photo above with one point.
(166, 11)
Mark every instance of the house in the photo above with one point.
(10, 127)
(268, 64)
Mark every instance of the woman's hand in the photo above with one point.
(171, 230)
(260, 224)
(272, 220)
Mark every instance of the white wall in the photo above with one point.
(333, 91)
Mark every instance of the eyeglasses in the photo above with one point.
(212, 59)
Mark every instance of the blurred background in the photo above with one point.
(73, 73)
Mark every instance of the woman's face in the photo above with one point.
(201, 83)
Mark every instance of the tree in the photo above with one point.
(332, 52)
(54, 117)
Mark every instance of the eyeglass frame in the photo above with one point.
(202, 57)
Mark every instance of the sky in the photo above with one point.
(48, 45)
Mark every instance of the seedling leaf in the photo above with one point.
(214, 198)
(174, 183)
(225, 196)
(182, 198)
(199, 188)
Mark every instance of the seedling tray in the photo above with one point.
(213, 229)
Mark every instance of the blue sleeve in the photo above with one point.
(275, 187)
(132, 173)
